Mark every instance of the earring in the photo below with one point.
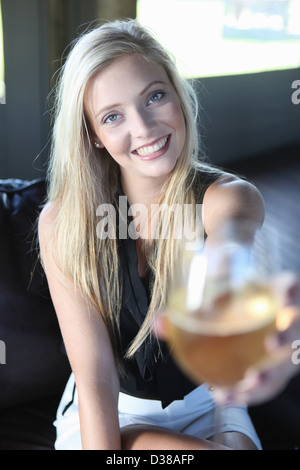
(97, 145)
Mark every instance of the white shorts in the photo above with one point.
(194, 415)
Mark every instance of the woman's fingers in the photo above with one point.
(287, 286)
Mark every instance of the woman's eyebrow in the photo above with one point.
(106, 108)
(154, 82)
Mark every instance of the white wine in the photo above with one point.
(219, 344)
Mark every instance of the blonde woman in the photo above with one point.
(125, 127)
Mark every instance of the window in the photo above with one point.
(226, 37)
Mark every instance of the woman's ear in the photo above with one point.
(98, 144)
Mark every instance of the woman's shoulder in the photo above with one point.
(231, 196)
(226, 183)
(47, 219)
(217, 182)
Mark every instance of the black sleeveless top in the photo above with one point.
(150, 374)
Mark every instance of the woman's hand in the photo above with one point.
(283, 346)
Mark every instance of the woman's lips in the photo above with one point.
(153, 150)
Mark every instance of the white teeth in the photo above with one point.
(143, 152)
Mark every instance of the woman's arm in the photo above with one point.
(88, 347)
(228, 199)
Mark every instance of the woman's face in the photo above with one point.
(136, 115)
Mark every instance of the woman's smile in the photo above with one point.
(154, 150)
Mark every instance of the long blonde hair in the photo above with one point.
(79, 180)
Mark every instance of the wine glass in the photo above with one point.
(223, 307)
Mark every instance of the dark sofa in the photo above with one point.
(36, 368)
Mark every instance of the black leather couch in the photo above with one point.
(36, 368)
(277, 421)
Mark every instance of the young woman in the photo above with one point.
(125, 126)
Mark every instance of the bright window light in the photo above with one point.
(226, 37)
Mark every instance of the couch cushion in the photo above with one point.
(36, 368)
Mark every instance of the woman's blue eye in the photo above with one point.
(111, 118)
(156, 97)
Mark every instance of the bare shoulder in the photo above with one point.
(49, 213)
(228, 183)
(46, 236)
(47, 219)
(232, 197)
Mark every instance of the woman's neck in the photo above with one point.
(144, 191)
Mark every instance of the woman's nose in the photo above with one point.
(143, 123)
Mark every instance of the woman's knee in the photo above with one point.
(140, 435)
(147, 437)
